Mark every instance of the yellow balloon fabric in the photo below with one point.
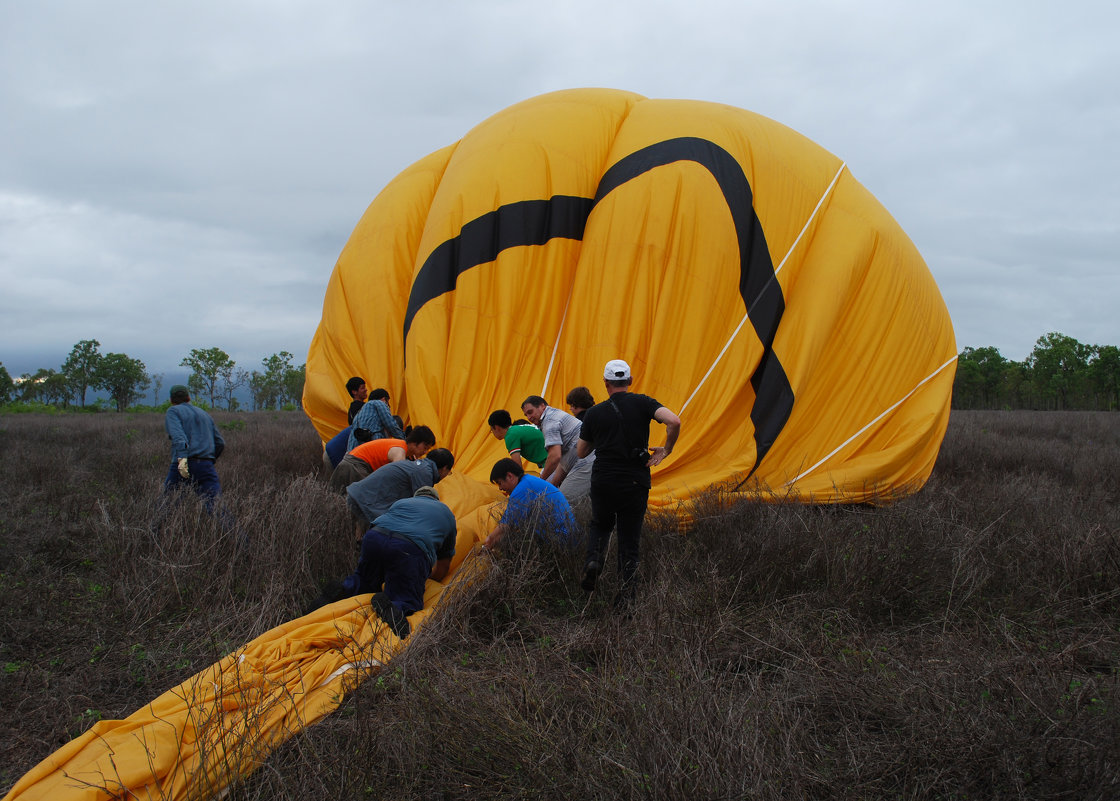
(754, 286)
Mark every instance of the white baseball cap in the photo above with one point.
(616, 370)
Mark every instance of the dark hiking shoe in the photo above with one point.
(394, 618)
(590, 576)
(332, 591)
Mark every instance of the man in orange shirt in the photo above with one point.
(371, 455)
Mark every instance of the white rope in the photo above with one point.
(854, 436)
(369, 663)
(805, 227)
(777, 269)
(556, 345)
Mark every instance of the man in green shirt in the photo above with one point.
(523, 441)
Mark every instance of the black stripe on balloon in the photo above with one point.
(534, 222)
(528, 222)
(758, 285)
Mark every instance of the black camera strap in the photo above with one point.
(631, 449)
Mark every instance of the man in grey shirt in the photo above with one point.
(563, 468)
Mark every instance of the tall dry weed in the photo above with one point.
(960, 643)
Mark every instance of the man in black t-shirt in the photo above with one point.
(617, 430)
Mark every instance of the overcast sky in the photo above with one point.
(178, 176)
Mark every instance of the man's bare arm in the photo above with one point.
(672, 431)
(552, 462)
(441, 568)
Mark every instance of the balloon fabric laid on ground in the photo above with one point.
(754, 286)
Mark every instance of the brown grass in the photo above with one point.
(962, 643)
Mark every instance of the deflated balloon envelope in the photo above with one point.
(754, 286)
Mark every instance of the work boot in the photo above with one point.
(394, 618)
(590, 575)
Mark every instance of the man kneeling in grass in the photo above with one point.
(531, 500)
(409, 544)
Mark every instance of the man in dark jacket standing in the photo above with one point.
(617, 430)
(195, 446)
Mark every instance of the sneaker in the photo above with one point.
(590, 576)
(394, 618)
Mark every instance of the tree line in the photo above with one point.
(1059, 374)
(214, 380)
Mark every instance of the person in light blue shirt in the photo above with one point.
(195, 446)
(532, 502)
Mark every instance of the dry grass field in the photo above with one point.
(961, 644)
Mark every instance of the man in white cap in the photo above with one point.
(617, 430)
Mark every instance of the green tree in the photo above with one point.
(123, 378)
(232, 380)
(1104, 373)
(7, 386)
(293, 385)
(272, 387)
(1016, 386)
(980, 378)
(968, 383)
(1058, 366)
(258, 388)
(46, 384)
(80, 368)
(206, 366)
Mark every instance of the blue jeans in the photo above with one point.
(394, 561)
(203, 480)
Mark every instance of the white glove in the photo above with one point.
(183, 471)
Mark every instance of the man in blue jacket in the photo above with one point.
(195, 446)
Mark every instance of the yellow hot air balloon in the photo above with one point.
(751, 282)
(753, 285)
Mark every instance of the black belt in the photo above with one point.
(200, 458)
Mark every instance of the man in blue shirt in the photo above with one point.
(409, 544)
(375, 419)
(195, 446)
(532, 502)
